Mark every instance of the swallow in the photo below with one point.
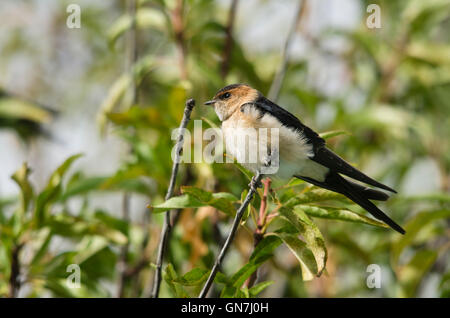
(301, 152)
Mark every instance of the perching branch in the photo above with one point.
(274, 90)
(167, 223)
(229, 39)
(253, 185)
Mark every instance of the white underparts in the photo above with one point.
(258, 140)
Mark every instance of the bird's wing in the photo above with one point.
(321, 154)
(289, 120)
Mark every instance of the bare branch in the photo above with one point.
(167, 223)
(275, 88)
(253, 185)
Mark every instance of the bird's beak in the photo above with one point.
(210, 102)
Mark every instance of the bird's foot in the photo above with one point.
(255, 183)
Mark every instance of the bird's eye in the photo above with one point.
(226, 95)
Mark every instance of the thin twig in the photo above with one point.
(14, 279)
(229, 39)
(275, 88)
(167, 222)
(253, 185)
(260, 227)
(263, 206)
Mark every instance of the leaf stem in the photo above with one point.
(263, 206)
(258, 235)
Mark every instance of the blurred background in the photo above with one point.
(113, 90)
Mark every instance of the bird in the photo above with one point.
(301, 152)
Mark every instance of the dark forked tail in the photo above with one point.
(358, 194)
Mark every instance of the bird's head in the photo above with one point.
(228, 99)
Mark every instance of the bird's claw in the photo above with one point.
(254, 184)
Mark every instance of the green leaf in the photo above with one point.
(221, 279)
(413, 228)
(194, 277)
(222, 200)
(14, 108)
(314, 196)
(233, 286)
(56, 177)
(195, 198)
(411, 274)
(434, 197)
(60, 288)
(333, 133)
(45, 237)
(233, 292)
(311, 235)
(444, 285)
(200, 194)
(21, 178)
(170, 276)
(120, 87)
(258, 288)
(421, 15)
(262, 252)
(91, 270)
(69, 226)
(82, 186)
(433, 53)
(145, 18)
(244, 170)
(129, 179)
(303, 254)
(178, 202)
(339, 214)
(112, 222)
(52, 191)
(114, 96)
(88, 247)
(129, 182)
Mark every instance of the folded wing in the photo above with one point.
(322, 154)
